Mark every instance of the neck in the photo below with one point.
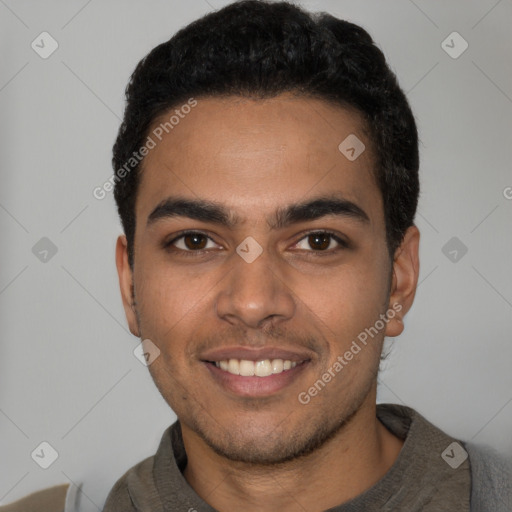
(354, 460)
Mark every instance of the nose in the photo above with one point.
(256, 293)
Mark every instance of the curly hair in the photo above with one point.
(259, 49)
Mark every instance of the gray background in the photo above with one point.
(68, 375)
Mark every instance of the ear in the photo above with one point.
(406, 266)
(126, 283)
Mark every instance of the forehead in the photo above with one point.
(257, 154)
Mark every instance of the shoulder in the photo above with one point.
(491, 479)
(137, 478)
(137, 489)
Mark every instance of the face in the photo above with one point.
(255, 285)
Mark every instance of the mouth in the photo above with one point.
(255, 373)
(262, 368)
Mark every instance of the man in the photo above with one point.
(266, 176)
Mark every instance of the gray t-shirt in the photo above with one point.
(431, 474)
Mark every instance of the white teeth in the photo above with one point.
(233, 366)
(262, 368)
(246, 368)
(277, 366)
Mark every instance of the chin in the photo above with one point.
(269, 443)
(263, 452)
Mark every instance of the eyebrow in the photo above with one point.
(215, 213)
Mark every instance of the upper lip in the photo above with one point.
(255, 354)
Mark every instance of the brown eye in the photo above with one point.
(190, 243)
(194, 241)
(320, 241)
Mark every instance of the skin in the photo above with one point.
(271, 452)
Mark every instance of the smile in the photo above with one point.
(262, 368)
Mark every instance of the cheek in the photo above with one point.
(168, 301)
(169, 307)
(349, 306)
(351, 297)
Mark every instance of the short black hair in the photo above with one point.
(259, 49)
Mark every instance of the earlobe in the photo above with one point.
(125, 275)
(404, 281)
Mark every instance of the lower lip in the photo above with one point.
(255, 386)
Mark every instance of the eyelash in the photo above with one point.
(342, 243)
